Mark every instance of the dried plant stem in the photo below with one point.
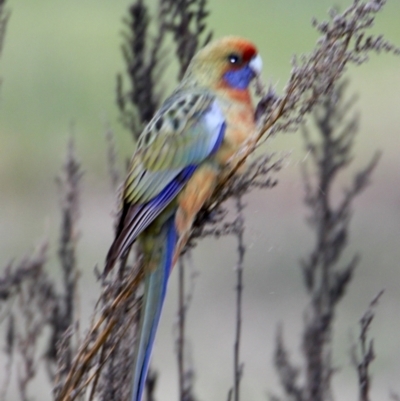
(102, 360)
(4, 16)
(241, 250)
(89, 349)
(186, 286)
(69, 183)
(105, 354)
(366, 351)
(181, 329)
(325, 279)
(10, 339)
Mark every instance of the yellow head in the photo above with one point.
(227, 63)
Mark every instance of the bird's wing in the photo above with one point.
(187, 129)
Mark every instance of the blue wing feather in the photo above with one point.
(139, 217)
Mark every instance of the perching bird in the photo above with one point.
(175, 169)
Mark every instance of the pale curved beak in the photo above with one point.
(256, 64)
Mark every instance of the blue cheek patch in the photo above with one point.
(239, 79)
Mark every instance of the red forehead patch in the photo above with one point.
(248, 51)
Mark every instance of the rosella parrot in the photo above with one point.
(176, 167)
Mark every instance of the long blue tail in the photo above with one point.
(153, 299)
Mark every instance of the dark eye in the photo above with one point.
(234, 59)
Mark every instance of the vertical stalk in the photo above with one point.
(241, 249)
(181, 329)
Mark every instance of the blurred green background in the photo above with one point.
(58, 71)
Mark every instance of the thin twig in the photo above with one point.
(9, 351)
(241, 250)
(366, 351)
(181, 329)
